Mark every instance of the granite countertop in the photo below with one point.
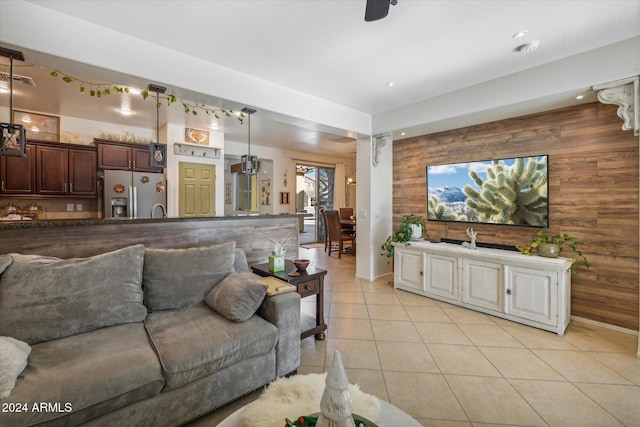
(52, 223)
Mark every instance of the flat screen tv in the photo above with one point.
(504, 191)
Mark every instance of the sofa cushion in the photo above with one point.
(88, 375)
(180, 278)
(13, 359)
(44, 298)
(237, 297)
(197, 341)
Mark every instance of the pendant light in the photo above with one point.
(157, 151)
(249, 163)
(14, 136)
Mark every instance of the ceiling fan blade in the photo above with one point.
(376, 9)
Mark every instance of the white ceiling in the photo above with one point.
(325, 49)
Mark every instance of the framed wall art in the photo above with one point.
(38, 126)
(196, 136)
(284, 197)
(265, 193)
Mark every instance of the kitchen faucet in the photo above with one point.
(161, 206)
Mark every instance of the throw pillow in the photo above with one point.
(13, 359)
(237, 297)
(43, 298)
(179, 278)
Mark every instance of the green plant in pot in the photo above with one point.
(412, 227)
(551, 245)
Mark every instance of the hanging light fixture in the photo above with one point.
(249, 163)
(157, 151)
(14, 136)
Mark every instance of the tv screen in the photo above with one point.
(505, 191)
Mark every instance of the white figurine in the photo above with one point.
(472, 235)
(335, 405)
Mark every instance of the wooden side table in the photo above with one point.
(309, 282)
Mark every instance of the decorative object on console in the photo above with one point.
(550, 245)
(276, 259)
(301, 264)
(157, 151)
(505, 191)
(14, 138)
(472, 235)
(407, 231)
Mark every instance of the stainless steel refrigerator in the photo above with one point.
(133, 194)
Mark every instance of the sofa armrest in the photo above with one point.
(283, 310)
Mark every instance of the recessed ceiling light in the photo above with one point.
(26, 119)
(214, 126)
(520, 34)
(579, 96)
(134, 91)
(391, 84)
(403, 133)
(34, 129)
(125, 112)
(528, 47)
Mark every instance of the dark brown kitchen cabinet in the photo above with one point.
(66, 171)
(123, 156)
(18, 174)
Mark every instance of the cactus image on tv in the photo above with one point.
(507, 191)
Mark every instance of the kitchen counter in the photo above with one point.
(52, 223)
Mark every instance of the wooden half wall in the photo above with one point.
(593, 194)
(67, 239)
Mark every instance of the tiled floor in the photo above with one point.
(448, 366)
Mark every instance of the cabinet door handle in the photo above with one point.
(422, 273)
(307, 287)
(71, 188)
(2, 187)
(134, 164)
(508, 291)
(65, 187)
(129, 164)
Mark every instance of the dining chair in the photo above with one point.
(346, 221)
(336, 236)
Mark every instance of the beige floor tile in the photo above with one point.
(627, 365)
(395, 330)
(463, 315)
(537, 338)
(443, 423)
(441, 333)
(303, 370)
(489, 335)
(423, 395)
(406, 357)
(381, 298)
(354, 286)
(377, 287)
(357, 329)
(561, 404)
(621, 401)
(387, 312)
(520, 363)
(492, 400)
(579, 367)
(427, 314)
(312, 352)
(370, 381)
(592, 338)
(348, 311)
(354, 353)
(462, 360)
(408, 298)
(347, 297)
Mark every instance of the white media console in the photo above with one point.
(531, 290)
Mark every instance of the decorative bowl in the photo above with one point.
(301, 264)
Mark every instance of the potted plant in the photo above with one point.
(550, 245)
(412, 227)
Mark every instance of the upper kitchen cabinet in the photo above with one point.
(66, 171)
(114, 155)
(18, 174)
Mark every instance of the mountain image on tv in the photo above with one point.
(507, 191)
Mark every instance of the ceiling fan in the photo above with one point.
(377, 9)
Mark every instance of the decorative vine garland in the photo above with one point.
(100, 90)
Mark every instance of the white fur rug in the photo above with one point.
(300, 395)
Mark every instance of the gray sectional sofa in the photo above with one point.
(139, 336)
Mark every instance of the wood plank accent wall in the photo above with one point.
(253, 234)
(593, 194)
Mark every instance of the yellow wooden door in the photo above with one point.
(197, 189)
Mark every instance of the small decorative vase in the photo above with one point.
(416, 232)
(548, 250)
